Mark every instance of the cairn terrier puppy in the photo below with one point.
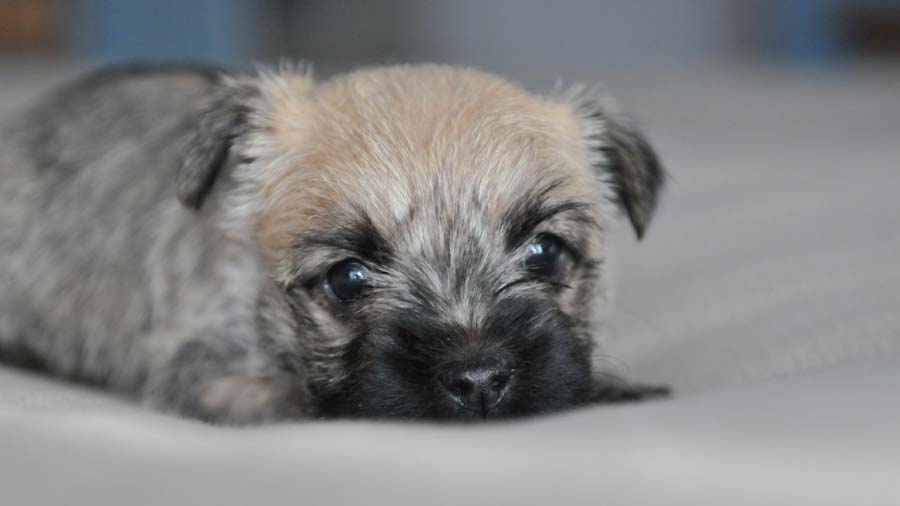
(408, 241)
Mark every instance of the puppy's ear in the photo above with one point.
(622, 155)
(206, 149)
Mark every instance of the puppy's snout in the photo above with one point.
(479, 388)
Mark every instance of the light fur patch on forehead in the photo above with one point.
(380, 140)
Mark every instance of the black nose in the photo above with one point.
(479, 388)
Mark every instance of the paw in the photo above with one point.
(241, 400)
(614, 390)
(231, 400)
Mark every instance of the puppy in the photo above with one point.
(407, 241)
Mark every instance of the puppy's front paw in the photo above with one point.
(230, 400)
(239, 399)
(614, 390)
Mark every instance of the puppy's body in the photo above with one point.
(106, 275)
(182, 236)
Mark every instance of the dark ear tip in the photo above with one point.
(641, 214)
(205, 153)
(188, 188)
(637, 174)
(640, 185)
(639, 229)
(189, 199)
(206, 148)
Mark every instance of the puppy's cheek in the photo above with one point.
(578, 300)
(397, 385)
(326, 340)
(560, 377)
(369, 387)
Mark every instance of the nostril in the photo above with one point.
(499, 380)
(462, 387)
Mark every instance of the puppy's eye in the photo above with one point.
(544, 254)
(347, 280)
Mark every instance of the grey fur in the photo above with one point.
(121, 265)
(106, 277)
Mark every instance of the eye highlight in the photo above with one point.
(544, 255)
(347, 280)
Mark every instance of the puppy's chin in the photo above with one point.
(546, 377)
(389, 400)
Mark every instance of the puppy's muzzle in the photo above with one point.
(481, 387)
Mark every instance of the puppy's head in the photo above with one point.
(439, 233)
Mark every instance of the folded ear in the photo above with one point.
(212, 131)
(622, 155)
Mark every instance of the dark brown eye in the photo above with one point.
(347, 280)
(544, 254)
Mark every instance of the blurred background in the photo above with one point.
(636, 47)
(612, 31)
(525, 39)
(776, 246)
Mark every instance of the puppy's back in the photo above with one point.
(80, 122)
(86, 192)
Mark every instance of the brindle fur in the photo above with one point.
(164, 232)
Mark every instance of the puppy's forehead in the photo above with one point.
(388, 142)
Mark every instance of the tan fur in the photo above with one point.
(380, 137)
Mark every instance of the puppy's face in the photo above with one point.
(439, 235)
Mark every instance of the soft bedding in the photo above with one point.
(767, 293)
